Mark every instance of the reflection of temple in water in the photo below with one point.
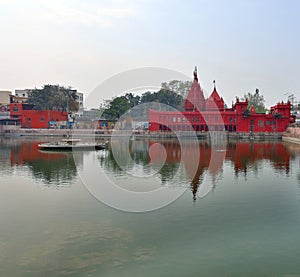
(243, 155)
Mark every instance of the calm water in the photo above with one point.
(248, 224)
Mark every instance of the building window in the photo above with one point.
(261, 123)
(192, 119)
(178, 119)
(230, 119)
(42, 119)
(197, 119)
(174, 119)
(183, 119)
(15, 109)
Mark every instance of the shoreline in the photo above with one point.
(291, 139)
(62, 133)
(292, 135)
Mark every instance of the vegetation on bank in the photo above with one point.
(54, 97)
(172, 94)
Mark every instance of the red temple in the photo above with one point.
(211, 114)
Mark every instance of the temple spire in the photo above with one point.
(214, 81)
(195, 74)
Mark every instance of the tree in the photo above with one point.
(179, 87)
(54, 97)
(170, 94)
(133, 99)
(116, 107)
(256, 100)
(163, 96)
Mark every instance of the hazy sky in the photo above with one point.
(242, 45)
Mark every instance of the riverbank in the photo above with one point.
(292, 134)
(106, 134)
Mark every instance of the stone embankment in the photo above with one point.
(292, 134)
(138, 134)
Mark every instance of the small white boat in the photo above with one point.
(72, 144)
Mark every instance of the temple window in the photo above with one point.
(174, 119)
(179, 119)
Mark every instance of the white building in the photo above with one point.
(80, 103)
(4, 104)
(5, 97)
(21, 95)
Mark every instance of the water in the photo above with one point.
(248, 224)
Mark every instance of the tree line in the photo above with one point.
(173, 94)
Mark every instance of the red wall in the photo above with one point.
(33, 118)
(232, 120)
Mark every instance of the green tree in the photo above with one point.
(116, 107)
(164, 96)
(179, 87)
(54, 97)
(171, 94)
(256, 100)
(133, 99)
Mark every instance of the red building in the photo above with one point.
(30, 118)
(211, 115)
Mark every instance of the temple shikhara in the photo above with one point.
(211, 114)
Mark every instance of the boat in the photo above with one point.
(72, 144)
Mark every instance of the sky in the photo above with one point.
(242, 44)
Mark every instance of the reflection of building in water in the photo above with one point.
(243, 155)
(53, 168)
(4, 155)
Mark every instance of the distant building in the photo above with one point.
(5, 97)
(211, 114)
(27, 117)
(4, 104)
(79, 100)
(21, 95)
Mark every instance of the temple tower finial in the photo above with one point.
(214, 81)
(195, 74)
